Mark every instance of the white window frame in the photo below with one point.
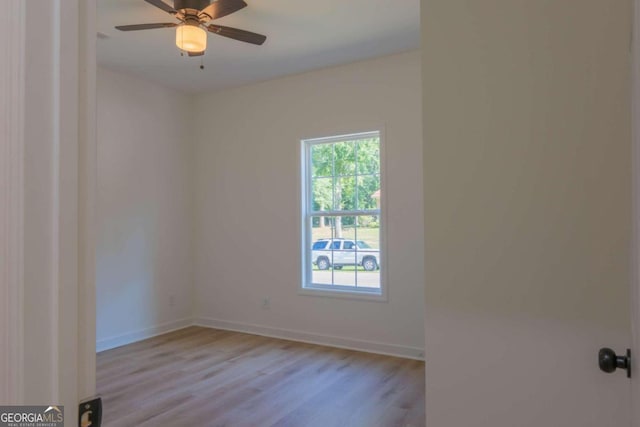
(352, 292)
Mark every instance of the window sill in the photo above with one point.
(344, 294)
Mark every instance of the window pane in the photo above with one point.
(322, 254)
(345, 193)
(368, 192)
(345, 227)
(321, 194)
(321, 160)
(344, 158)
(368, 252)
(322, 230)
(368, 232)
(345, 260)
(369, 156)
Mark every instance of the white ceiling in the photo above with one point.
(302, 35)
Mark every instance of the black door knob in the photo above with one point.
(609, 361)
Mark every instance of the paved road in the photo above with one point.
(364, 278)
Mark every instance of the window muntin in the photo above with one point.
(341, 194)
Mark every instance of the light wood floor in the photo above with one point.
(208, 377)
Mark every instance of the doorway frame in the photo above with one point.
(66, 52)
(12, 201)
(87, 199)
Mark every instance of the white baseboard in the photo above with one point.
(267, 331)
(312, 338)
(142, 334)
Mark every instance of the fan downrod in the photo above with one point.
(190, 4)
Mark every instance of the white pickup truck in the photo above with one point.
(336, 253)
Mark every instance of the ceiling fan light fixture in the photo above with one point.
(191, 38)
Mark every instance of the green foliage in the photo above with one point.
(345, 175)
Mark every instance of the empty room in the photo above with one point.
(259, 225)
(293, 213)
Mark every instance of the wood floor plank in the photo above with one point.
(208, 377)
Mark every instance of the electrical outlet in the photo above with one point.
(266, 303)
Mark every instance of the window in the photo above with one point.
(320, 244)
(341, 215)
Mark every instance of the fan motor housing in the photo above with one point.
(191, 4)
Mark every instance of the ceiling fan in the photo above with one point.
(194, 17)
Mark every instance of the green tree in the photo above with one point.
(345, 176)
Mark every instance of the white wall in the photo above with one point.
(527, 160)
(144, 256)
(247, 202)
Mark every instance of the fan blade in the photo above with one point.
(145, 26)
(162, 5)
(196, 53)
(237, 34)
(220, 8)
